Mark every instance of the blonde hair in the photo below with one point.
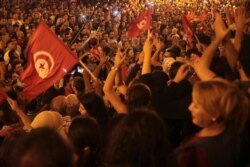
(223, 101)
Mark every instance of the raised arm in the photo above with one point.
(155, 58)
(147, 49)
(108, 90)
(97, 70)
(202, 69)
(240, 22)
(25, 120)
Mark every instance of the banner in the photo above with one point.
(48, 61)
(140, 24)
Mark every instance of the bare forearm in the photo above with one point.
(25, 120)
(231, 54)
(146, 67)
(155, 58)
(208, 54)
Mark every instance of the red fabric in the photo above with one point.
(3, 96)
(202, 17)
(48, 61)
(190, 16)
(193, 156)
(187, 30)
(141, 23)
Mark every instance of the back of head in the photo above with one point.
(73, 105)
(139, 95)
(42, 148)
(175, 51)
(84, 133)
(59, 104)
(227, 104)
(174, 69)
(204, 39)
(9, 145)
(78, 84)
(95, 107)
(49, 119)
(222, 69)
(138, 140)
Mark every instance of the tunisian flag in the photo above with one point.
(141, 23)
(188, 31)
(48, 61)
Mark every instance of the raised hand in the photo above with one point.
(158, 44)
(119, 58)
(13, 104)
(219, 27)
(240, 18)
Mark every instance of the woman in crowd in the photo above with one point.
(222, 118)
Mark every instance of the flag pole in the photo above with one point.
(88, 70)
(83, 25)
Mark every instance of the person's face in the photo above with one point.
(112, 35)
(13, 44)
(19, 68)
(131, 54)
(200, 116)
(103, 43)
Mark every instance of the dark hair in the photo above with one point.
(42, 147)
(175, 51)
(9, 116)
(204, 39)
(78, 83)
(221, 67)
(174, 69)
(84, 133)
(95, 106)
(8, 146)
(139, 140)
(244, 58)
(139, 95)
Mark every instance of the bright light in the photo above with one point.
(150, 4)
(115, 12)
(83, 16)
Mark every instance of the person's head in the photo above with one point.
(73, 105)
(78, 85)
(59, 104)
(130, 53)
(218, 102)
(203, 43)
(41, 147)
(84, 132)
(174, 69)
(9, 145)
(18, 66)
(139, 139)
(95, 107)
(138, 95)
(50, 119)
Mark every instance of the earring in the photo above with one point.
(213, 119)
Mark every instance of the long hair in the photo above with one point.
(138, 140)
(223, 100)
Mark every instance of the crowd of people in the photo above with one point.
(164, 98)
